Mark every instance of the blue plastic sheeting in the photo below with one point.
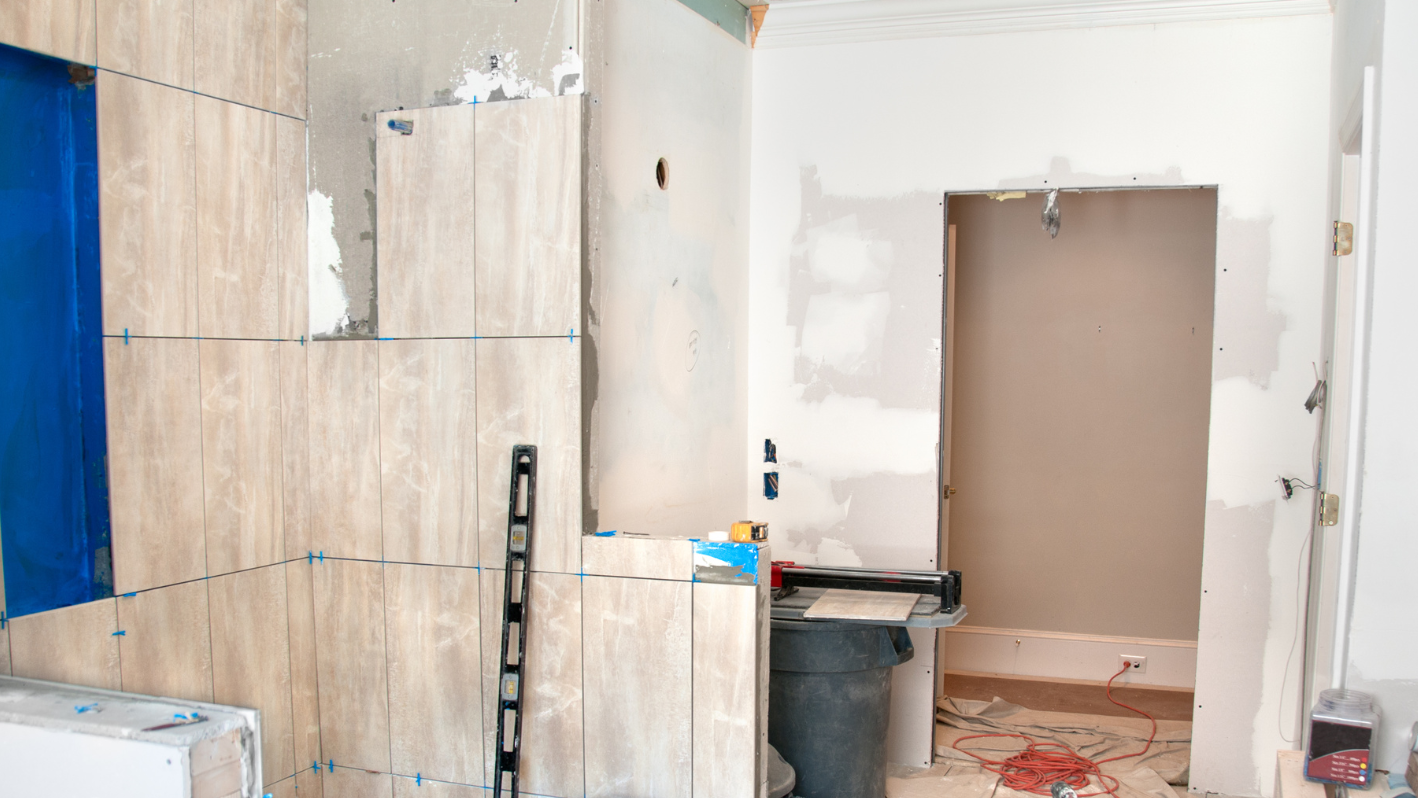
(54, 531)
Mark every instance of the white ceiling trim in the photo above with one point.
(800, 23)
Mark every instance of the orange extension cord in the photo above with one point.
(1040, 765)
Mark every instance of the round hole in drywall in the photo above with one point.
(662, 174)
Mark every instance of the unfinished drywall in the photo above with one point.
(1081, 405)
(1384, 622)
(668, 309)
(371, 57)
(1242, 105)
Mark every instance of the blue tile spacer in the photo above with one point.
(119, 633)
(331, 766)
(418, 779)
(3, 620)
(571, 336)
(315, 766)
(125, 336)
(302, 340)
(130, 595)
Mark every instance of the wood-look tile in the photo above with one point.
(725, 690)
(528, 216)
(643, 558)
(241, 454)
(347, 783)
(309, 783)
(552, 759)
(154, 462)
(425, 239)
(166, 649)
(349, 648)
(293, 299)
(147, 160)
(75, 645)
(285, 788)
(638, 691)
(435, 709)
(61, 28)
(305, 702)
(343, 390)
(149, 39)
(235, 50)
(408, 788)
(251, 664)
(428, 451)
(295, 450)
(289, 53)
(529, 391)
(237, 273)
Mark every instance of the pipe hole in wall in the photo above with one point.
(662, 174)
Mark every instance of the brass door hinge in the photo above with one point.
(1329, 509)
(1343, 239)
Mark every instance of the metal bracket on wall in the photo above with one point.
(521, 507)
(1343, 239)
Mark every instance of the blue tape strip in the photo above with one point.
(605, 534)
(743, 556)
(119, 633)
(85, 708)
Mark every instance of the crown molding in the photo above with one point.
(801, 23)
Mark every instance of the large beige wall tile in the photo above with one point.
(638, 697)
(528, 212)
(293, 300)
(343, 389)
(349, 646)
(241, 454)
(235, 50)
(251, 664)
(286, 788)
(309, 783)
(295, 449)
(237, 273)
(154, 462)
(347, 783)
(409, 788)
(529, 391)
(305, 701)
(435, 706)
(552, 759)
(147, 160)
(290, 54)
(425, 241)
(726, 695)
(75, 645)
(149, 39)
(61, 28)
(644, 558)
(428, 451)
(166, 648)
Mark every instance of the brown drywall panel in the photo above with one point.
(1081, 407)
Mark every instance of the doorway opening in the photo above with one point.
(1074, 440)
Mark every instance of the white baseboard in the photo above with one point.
(1051, 655)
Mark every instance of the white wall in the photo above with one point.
(1383, 642)
(1243, 105)
(668, 292)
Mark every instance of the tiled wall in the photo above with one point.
(201, 132)
(318, 528)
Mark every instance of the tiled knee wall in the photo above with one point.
(317, 528)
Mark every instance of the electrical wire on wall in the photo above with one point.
(1316, 400)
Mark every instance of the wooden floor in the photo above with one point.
(1078, 697)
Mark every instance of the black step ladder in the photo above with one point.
(521, 506)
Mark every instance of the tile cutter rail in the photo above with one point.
(798, 587)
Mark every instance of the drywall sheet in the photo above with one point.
(53, 491)
(1081, 411)
(1240, 104)
(665, 381)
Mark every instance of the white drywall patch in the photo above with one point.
(844, 331)
(329, 305)
(568, 77)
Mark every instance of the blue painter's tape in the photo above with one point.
(130, 595)
(734, 563)
(606, 534)
(119, 633)
(85, 708)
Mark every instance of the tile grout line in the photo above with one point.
(285, 569)
(383, 569)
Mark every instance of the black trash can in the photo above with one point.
(829, 701)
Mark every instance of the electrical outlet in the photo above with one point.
(1134, 664)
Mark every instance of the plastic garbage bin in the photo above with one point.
(829, 701)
